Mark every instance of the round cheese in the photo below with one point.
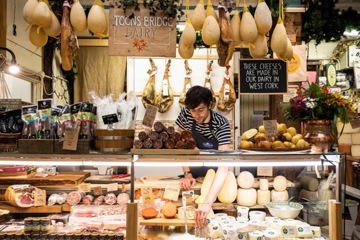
(264, 184)
(271, 234)
(255, 235)
(263, 197)
(257, 215)
(246, 197)
(280, 183)
(245, 179)
(277, 196)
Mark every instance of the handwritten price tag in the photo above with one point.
(39, 197)
(112, 187)
(270, 128)
(150, 115)
(172, 193)
(97, 190)
(265, 171)
(147, 195)
(71, 138)
(84, 187)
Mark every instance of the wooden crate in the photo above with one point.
(83, 147)
(117, 140)
(9, 142)
(42, 146)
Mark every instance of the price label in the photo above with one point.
(112, 187)
(147, 195)
(97, 190)
(270, 128)
(71, 138)
(172, 193)
(265, 171)
(189, 196)
(39, 197)
(150, 115)
(110, 118)
(84, 187)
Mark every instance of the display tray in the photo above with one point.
(164, 151)
(42, 209)
(63, 178)
(275, 151)
(104, 179)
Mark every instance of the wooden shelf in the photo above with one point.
(166, 222)
(43, 209)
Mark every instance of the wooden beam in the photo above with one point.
(3, 24)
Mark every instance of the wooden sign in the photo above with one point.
(263, 76)
(149, 116)
(141, 34)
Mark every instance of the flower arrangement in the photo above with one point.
(316, 103)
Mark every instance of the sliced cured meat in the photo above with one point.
(123, 198)
(86, 212)
(110, 199)
(88, 199)
(74, 197)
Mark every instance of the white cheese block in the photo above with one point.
(246, 197)
(277, 196)
(263, 197)
(355, 138)
(271, 234)
(264, 184)
(316, 231)
(257, 223)
(242, 236)
(255, 235)
(259, 215)
(304, 231)
(245, 179)
(280, 183)
(355, 150)
(345, 138)
(269, 220)
(288, 230)
(276, 223)
(347, 128)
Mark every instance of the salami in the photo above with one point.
(153, 135)
(170, 130)
(138, 143)
(123, 198)
(157, 144)
(159, 127)
(142, 135)
(88, 199)
(180, 144)
(170, 143)
(74, 197)
(99, 200)
(176, 136)
(190, 144)
(147, 143)
(62, 198)
(164, 136)
(186, 135)
(110, 199)
(52, 199)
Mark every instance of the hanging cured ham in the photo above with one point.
(187, 85)
(165, 97)
(225, 46)
(207, 83)
(227, 96)
(68, 40)
(149, 92)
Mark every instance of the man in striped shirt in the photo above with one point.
(210, 130)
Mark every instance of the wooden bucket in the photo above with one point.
(117, 140)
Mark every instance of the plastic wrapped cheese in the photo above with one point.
(280, 183)
(263, 196)
(264, 184)
(304, 231)
(271, 234)
(316, 231)
(288, 230)
(255, 235)
(277, 196)
(257, 215)
(246, 197)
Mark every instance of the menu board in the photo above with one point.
(262, 76)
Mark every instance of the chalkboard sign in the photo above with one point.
(263, 76)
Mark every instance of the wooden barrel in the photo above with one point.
(117, 140)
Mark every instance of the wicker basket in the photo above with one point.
(117, 140)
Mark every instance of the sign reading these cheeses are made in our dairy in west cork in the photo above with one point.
(263, 76)
(141, 34)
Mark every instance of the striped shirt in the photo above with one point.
(220, 126)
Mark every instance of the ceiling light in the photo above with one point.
(14, 68)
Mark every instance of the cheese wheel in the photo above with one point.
(263, 197)
(277, 196)
(288, 230)
(355, 138)
(257, 215)
(280, 183)
(271, 234)
(245, 179)
(255, 235)
(264, 184)
(246, 197)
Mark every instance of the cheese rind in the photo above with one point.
(245, 180)
(263, 197)
(246, 197)
(280, 183)
(277, 196)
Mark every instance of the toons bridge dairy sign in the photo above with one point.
(141, 34)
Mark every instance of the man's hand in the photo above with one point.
(201, 215)
(187, 182)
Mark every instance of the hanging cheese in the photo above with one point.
(279, 196)
(264, 184)
(246, 197)
(54, 29)
(197, 18)
(28, 10)
(279, 38)
(280, 183)
(263, 17)
(259, 47)
(248, 28)
(235, 26)
(263, 197)
(78, 17)
(208, 180)
(255, 235)
(245, 179)
(210, 31)
(228, 192)
(42, 15)
(271, 234)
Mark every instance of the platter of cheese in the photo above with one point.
(275, 151)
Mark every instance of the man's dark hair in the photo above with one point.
(197, 95)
